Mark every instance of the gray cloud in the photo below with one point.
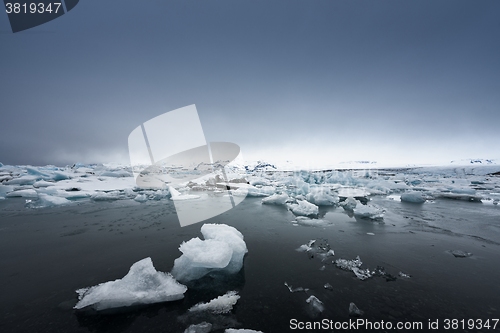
(329, 79)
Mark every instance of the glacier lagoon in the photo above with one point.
(47, 253)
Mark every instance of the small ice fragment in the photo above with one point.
(322, 268)
(404, 275)
(362, 274)
(354, 311)
(241, 330)
(315, 303)
(203, 327)
(370, 233)
(348, 265)
(354, 266)
(461, 254)
(328, 286)
(294, 290)
(221, 304)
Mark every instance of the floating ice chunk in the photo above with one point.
(404, 275)
(252, 191)
(233, 238)
(355, 267)
(304, 220)
(23, 193)
(320, 197)
(304, 208)
(142, 285)
(414, 197)
(4, 189)
(276, 199)
(241, 330)
(460, 196)
(222, 250)
(105, 196)
(315, 303)
(177, 196)
(42, 183)
(461, 254)
(306, 247)
(317, 248)
(221, 304)
(370, 233)
(141, 198)
(256, 180)
(349, 204)
(118, 173)
(328, 286)
(362, 274)
(294, 290)
(45, 200)
(209, 253)
(203, 327)
(354, 311)
(368, 212)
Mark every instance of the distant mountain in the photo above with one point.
(475, 161)
(260, 166)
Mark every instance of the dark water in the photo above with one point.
(46, 254)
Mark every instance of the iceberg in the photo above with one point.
(304, 208)
(29, 193)
(221, 304)
(222, 250)
(349, 204)
(203, 327)
(320, 197)
(45, 200)
(414, 197)
(141, 198)
(276, 199)
(106, 196)
(368, 212)
(142, 285)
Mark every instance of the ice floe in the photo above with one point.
(221, 304)
(143, 284)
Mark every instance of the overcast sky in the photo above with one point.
(320, 81)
